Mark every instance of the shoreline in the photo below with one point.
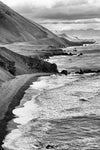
(14, 100)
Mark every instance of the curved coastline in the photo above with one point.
(15, 90)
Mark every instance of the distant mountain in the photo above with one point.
(83, 34)
(16, 28)
(75, 41)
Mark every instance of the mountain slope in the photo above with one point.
(83, 34)
(17, 64)
(16, 28)
(74, 41)
(5, 75)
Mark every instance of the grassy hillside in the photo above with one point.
(16, 28)
(5, 75)
(17, 64)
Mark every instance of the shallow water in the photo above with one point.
(58, 112)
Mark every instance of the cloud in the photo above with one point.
(70, 13)
(34, 3)
(57, 9)
(49, 3)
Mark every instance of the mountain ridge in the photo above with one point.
(16, 28)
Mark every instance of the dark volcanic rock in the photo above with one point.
(82, 71)
(83, 100)
(54, 68)
(80, 54)
(64, 72)
(40, 65)
(50, 146)
(52, 52)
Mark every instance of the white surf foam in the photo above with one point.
(26, 113)
(58, 98)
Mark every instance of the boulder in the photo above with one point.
(83, 100)
(50, 147)
(64, 72)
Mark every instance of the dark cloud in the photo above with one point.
(70, 3)
(62, 10)
(24, 9)
(63, 16)
(65, 13)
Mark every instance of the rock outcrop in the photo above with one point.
(64, 72)
(17, 64)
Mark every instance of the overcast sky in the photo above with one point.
(57, 9)
(60, 14)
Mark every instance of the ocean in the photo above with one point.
(58, 112)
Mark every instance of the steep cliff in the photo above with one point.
(17, 64)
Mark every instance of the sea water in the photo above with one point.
(58, 112)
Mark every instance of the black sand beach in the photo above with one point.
(13, 99)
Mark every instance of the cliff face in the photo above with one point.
(5, 75)
(7, 65)
(17, 64)
(16, 28)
